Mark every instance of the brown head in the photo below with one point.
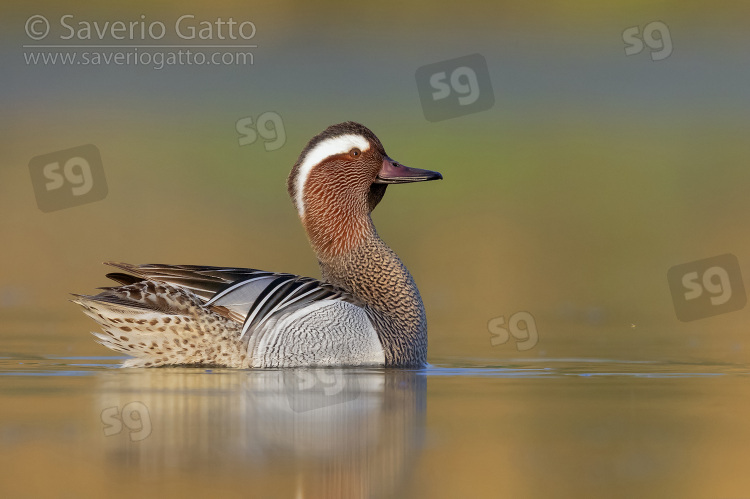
(339, 178)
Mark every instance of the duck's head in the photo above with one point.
(339, 178)
(347, 162)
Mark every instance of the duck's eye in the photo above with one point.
(355, 152)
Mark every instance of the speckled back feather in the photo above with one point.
(196, 315)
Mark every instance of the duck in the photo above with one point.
(364, 311)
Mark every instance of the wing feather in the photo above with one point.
(250, 296)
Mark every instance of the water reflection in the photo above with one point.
(340, 433)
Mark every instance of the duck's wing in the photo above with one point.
(248, 296)
(202, 280)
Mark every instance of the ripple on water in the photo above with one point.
(16, 364)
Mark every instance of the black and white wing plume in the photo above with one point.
(249, 296)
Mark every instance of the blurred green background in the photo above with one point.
(592, 175)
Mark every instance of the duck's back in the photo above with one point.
(193, 315)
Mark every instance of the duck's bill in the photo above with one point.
(394, 172)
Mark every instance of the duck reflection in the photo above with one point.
(337, 432)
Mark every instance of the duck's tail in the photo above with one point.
(160, 324)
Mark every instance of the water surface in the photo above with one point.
(77, 426)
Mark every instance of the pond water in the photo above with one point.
(77, 426)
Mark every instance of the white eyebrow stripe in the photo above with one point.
(325, 149)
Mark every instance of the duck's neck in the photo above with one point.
(335, 218)
(374, 274)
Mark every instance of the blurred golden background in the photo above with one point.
(593, 173)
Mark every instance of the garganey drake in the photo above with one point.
(365, 311)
